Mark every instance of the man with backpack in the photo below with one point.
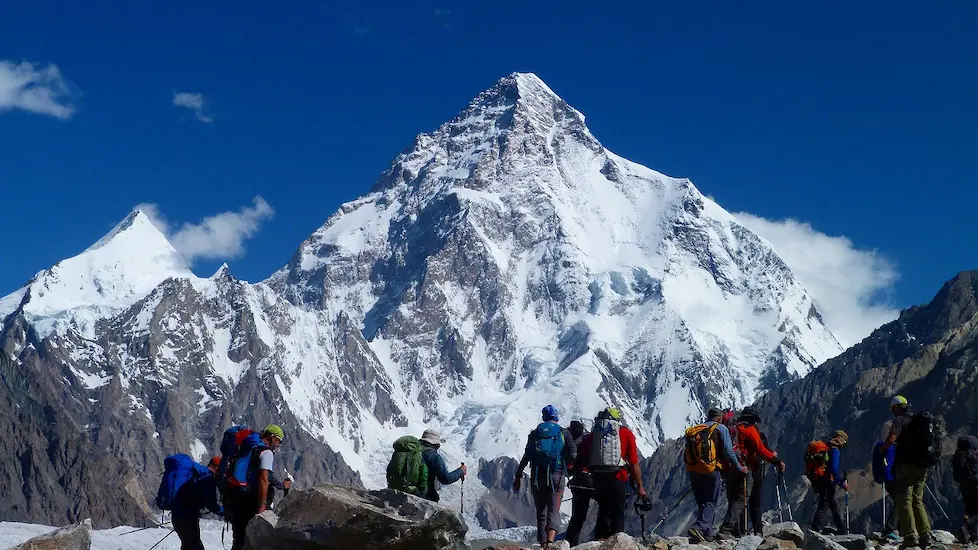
(965, 472)
(581, 486)
(550, 451)
(708, 452)
(435, 465)
(610, 453)
(885, 474)
(185, 489)
(247, 484)
(822, 462)
(917, 449)
(751, 450)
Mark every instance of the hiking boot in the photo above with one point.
(725, 535)
(909, 541)
(926, 540)
(696, 535)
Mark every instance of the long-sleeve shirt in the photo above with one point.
(835, 459)
(437, 470)
(197, 494)
(726, 445)
(568, 453)
(754, 447)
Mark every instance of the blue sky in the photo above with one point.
(861, 121)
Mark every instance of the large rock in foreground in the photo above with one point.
(332, 517)
(73, 537)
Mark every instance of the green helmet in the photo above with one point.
(274, 430)
(898, 401)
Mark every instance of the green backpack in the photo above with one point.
(407, 471)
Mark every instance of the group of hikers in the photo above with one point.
(729, 452)
(243, 476)
(726, 453)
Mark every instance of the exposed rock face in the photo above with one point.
(927, 355)
(331, 517)
(73, 537)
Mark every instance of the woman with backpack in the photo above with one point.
(550, 451)
(822, 463)
(965, 472)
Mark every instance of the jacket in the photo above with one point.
(437, 470)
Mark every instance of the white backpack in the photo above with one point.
(606, 446)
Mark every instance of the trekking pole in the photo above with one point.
(162, 539)
(883, 498)
(784, 484)
(746, 509)
(937, 501)
(777, 491)
(847, 511)
(462, 513)
(671, 510)
(144, 528)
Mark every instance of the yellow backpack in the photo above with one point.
(701, 449)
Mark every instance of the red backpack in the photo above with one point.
(816, 460)
(735, 436)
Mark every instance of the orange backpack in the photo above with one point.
(816, 460)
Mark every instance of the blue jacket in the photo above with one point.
(726, 443)
(195, 495)
(437, 470)
(835, 458)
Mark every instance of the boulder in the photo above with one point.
(333, 517)
(619, 541)
(73, 537)
(818, 541)
(851, 542)
(750, 542)
(788, 530)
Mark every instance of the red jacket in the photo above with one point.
(750, 439)
(629, 451)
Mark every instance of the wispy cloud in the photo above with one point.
(36, 89)
(851, 286)
(221, 236)
(195, 102)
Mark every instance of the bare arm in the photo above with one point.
(262, 489)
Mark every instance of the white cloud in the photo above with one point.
(194, 102)
(221, 236)
(39, 90)
(850, 286)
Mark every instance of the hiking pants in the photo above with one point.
(579, 508)
(754, 502)
(188, 529)
(911, 480)
(969, 530)
(240, 510)
(610, 492)
(547, 501)
(733, 522)
(706, 491)
(825, 502)
(892, 523)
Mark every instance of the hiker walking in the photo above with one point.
(965, 472)
(611, 454)
(581, 486)
(248, 479)
(708, 451)
(914, 437)
(884, 473)
(549, 451)
(822, 462)
(748, 446)
(186, 488)
(435, 464)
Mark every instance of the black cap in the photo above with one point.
(750, 414)
(577, 427)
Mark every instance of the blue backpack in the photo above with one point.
(547, 453)
(883, 465)
(180, 472)
(242, 466)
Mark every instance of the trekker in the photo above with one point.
(822, 468)
(748, 445)
(708, 452)
(190, 499)
(549, 452)
(911, 472)
(884, 474)
(431, 442)
(965, 472)
(581, 486)
(250, 499)
(610, 453)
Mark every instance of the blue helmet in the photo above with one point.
(550, 413)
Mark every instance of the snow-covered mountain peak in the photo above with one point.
(119, 269)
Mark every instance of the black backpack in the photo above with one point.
(920, 441)
(965, 463)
